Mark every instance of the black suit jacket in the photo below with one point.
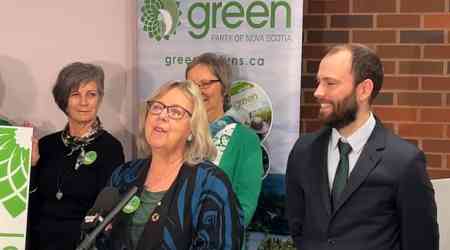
(388, 203)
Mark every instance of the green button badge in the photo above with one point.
(132, 205)
(89, 158)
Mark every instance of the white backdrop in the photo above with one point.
(38, 38)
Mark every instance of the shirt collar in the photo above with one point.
(358, 139)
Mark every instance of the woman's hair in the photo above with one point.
(72, 76)
(220, 68)
(201, 146)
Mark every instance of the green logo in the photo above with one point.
(89, 157)
(160, 18)
(132, 205)
(14, 168)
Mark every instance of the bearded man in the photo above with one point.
(355, 185)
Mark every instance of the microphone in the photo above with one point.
(90, 238)
(105, 202)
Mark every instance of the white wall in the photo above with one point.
(442, 195)
(38, 38)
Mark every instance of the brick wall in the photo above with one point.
(412, 38)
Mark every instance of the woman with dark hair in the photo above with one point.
(71, 166)
(239, 152)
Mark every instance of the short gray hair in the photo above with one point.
(220, 68)
(201, 146)
(72, 76)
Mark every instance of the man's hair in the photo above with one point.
(365, 65)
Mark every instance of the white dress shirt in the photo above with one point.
(357, 141)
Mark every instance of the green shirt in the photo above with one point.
(242, 161)
(149, 200)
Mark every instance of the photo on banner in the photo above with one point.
(15, 162)
(261, 40)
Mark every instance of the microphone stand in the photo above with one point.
(87, 243)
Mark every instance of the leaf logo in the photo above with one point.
(160, 18)
(14, 168)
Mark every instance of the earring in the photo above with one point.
(189, 139)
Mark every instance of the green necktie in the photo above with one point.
(340, 179)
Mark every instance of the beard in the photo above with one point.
(343, 113)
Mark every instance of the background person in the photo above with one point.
(71, 166)
(239, 152)
(186, 202)
(354, 184)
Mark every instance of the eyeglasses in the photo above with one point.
(204, 84)
(175, 112)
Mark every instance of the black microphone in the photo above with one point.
(90, 238)
(105, 202)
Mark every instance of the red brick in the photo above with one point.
(448, 99)
(384, 98)
(421, 6)
(389, 125)
(389, 67)
(437, 52)
(351, 21)
(436, 83)
(316, 36)
(435, 115)
(398, 51)
(400, 83)
(421, 36)
(448, 68)
(436, 146)
(437, 21)
(398, 21)
(421, 130)
(377, 6)
(308, 97)
(419, 99)
(374, 36)
(448, 131)
(421, 67)
(439, 173)
(312, 66)
(396, 113)
(434, 160)
(328, 6)
(308, 81)
(314, 21)
(313, 51)
(309, 112)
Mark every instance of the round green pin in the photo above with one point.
(90, 157)
(132, 205)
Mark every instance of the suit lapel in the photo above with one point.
(368, 159)
(320, 153)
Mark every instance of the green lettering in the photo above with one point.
(203, 24)
(227, 14)
(251, 13)
(275, 5)
(216, 6)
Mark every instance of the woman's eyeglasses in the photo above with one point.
(204, 84)
(175, 112)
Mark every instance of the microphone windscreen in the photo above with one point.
(106, 200)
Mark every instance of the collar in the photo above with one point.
(358, 139)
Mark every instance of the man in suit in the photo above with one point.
(354, 185)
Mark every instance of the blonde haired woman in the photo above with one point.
(186, 202)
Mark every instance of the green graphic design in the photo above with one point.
(160, 18)
(14, 160)
(132, 205)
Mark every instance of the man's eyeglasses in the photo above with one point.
(175, 112)
(204, 84)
